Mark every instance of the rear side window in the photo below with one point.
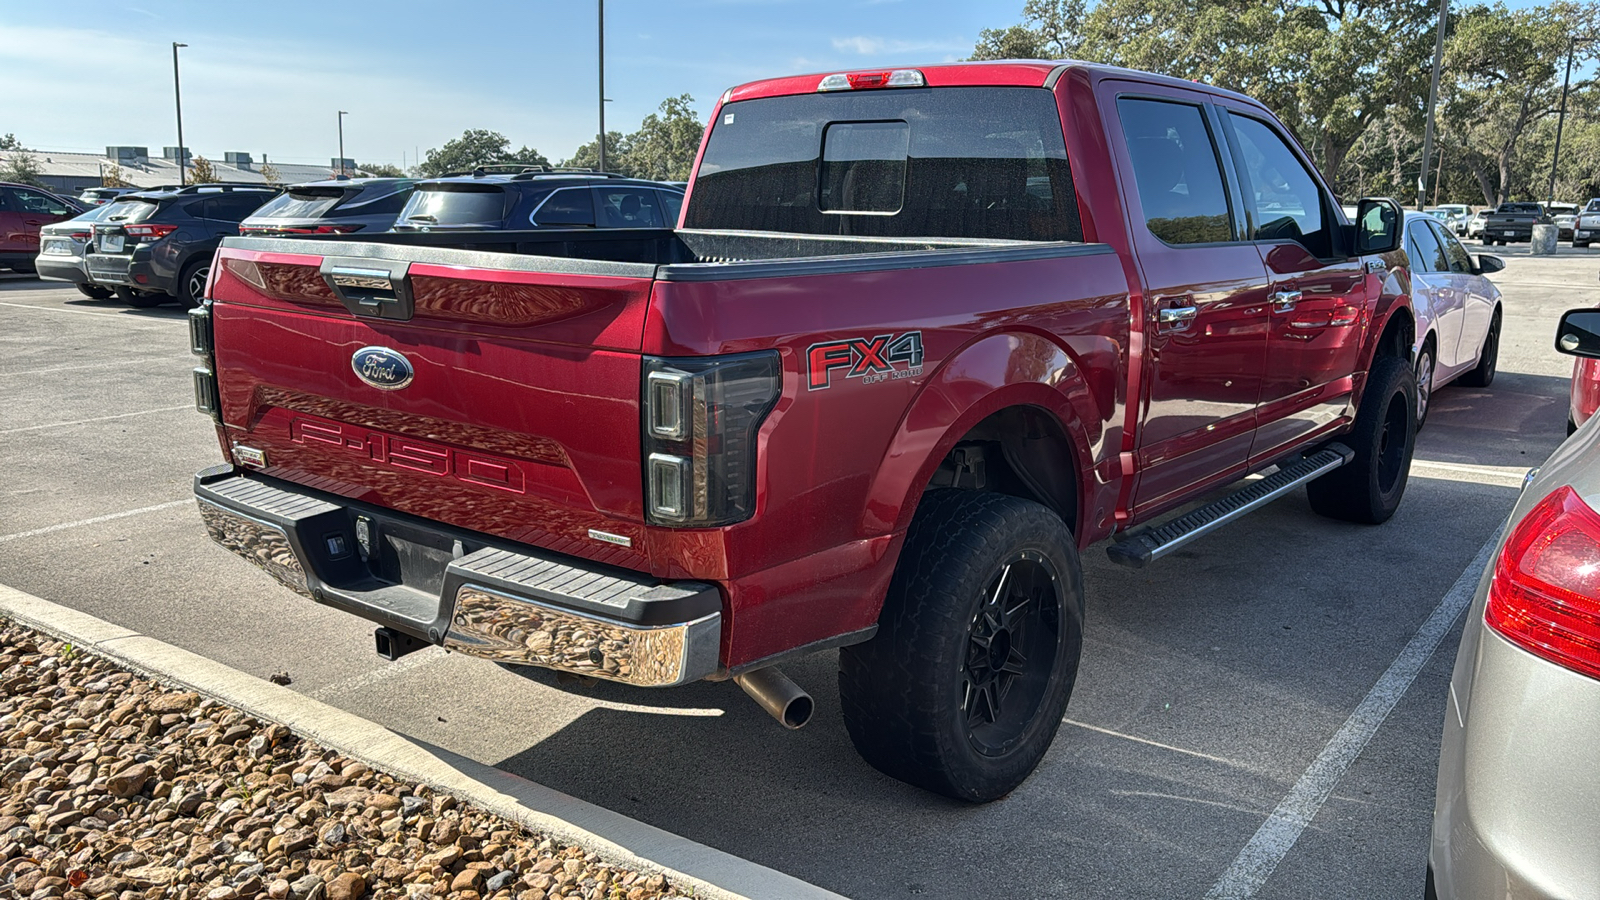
(568, 206)
(673, 203)
(236, 207)
(1422, 246)
(450, 204)
(981, 162)
(1175, 165)
(628, 207)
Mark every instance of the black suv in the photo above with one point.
(157, 245)
(515, 198)
(338, 206)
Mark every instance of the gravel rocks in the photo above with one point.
(115, 788)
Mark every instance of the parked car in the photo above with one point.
(1455, 216)
(1513, 223)
(876, 393)
(61, 251)
(25, 209)
(520, 197)
(339, 206)
(1565, 217)
(1519, 765)
(1475, 224)
(158, 246)
(1458, 310)
(98, 196)
(1587, 228)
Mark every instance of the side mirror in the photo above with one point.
(1377, 226)
(1579, 333)
(1484, 263)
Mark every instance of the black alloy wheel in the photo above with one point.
(1012, 648)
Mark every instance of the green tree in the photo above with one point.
(587, 156)
(10, 142)
(113, 176)
(21, 167)
(1505, 82)
(475, 147)
(201, 171)
(664, 147)
(1328, 68)
(382, 170)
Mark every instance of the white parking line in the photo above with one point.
(104, 365)
(5, 538)
(130, 319)
(1500, 476)
(1277, 836)
(142, 412)
(1150, 743)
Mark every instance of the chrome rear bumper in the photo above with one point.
(508, 603)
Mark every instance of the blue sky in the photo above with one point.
(269, 77)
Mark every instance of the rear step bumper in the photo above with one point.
(501, 601)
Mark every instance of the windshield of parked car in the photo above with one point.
(942, 162)
(127, 212)
(455, 204)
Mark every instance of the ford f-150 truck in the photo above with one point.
(920, 337)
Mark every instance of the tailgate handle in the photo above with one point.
(374, 288)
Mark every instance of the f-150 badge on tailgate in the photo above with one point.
(382, 368)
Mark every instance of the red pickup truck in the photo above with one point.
(920, 337)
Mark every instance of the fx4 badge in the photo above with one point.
(869, 359)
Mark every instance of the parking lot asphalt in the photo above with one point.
(1211, 681)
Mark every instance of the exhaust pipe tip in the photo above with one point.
(780, 697)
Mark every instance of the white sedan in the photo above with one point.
(1458, 310)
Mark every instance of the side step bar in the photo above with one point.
(1146, 544)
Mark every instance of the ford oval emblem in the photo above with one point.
(382, 368)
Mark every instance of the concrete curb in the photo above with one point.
(709, 872)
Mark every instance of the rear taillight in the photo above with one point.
(1545, 594)
(701, 416)
(148, 232)
(81, 235)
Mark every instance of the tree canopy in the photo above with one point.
(476, 146)
(1350, 78)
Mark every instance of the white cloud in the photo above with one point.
(864, 45)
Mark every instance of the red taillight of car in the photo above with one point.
(148, 232)
(81, 235)
(1545, 594)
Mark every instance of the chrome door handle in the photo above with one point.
(1283, 301)
(1176, 315)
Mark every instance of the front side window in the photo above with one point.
(1456, 256)
(981, 162)
(1175, 166)
(1285, 197)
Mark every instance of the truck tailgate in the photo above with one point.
(520, 415)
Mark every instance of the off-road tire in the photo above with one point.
(95, 291)
(1482, 375)
(192, 283)
(141, 299)
(1368, 489)
(909, 695)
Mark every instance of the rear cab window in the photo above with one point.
(1177, 171)
(982, 162)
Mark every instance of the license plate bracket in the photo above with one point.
(111, 243)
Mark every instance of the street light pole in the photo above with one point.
(602, 144)
(342, 114)
(177, 96)
(1561, 120)
(1433, 98)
